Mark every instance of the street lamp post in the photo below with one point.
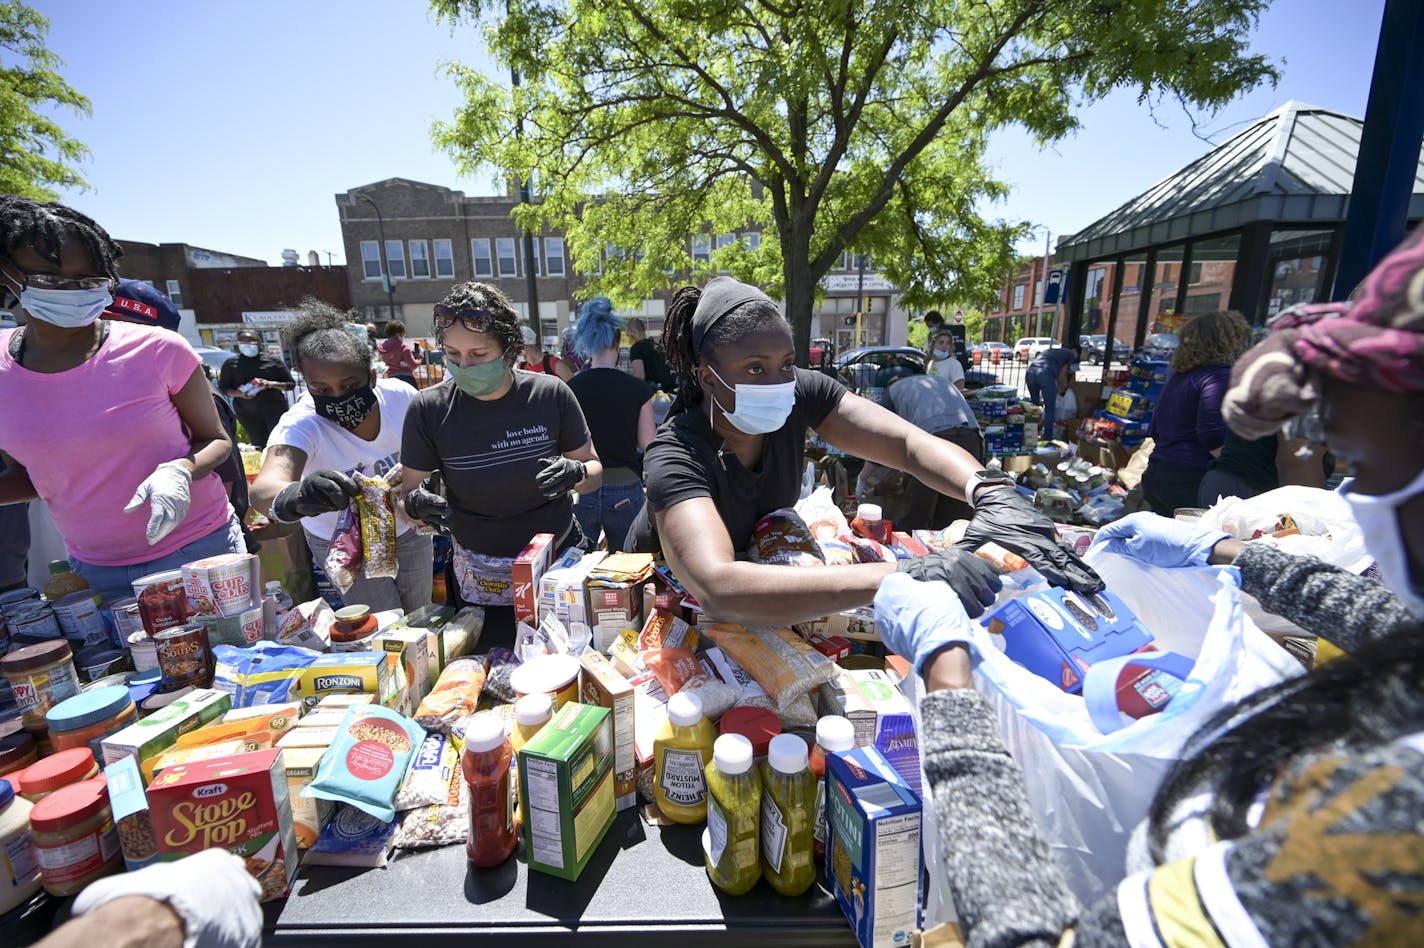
(385, 261)
(531, 285)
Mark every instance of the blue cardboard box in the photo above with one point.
(873, 855)
(1058, 634)
(1147, 376)
(1129, 404)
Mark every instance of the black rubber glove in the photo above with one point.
(1004, 516)
(317, 493)
(973, 579)
(426, 504)
(559, 475)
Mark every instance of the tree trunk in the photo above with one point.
(800, 291)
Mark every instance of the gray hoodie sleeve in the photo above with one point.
(1344, 609)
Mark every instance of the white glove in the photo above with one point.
(168, 491)
(211, 891)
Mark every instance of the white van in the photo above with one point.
(1031, 347)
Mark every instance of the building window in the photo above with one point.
(1038, 292)
(395, 259)
(554, 251)
(419, 260)
(444, 260)
(480, 253)
(175, 293)
(538, 271)
(725, 240)
(1019, 290)
(753, 240)
(370, 260)
(701, 250)
(508, 260)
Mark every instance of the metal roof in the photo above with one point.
(1296, 164)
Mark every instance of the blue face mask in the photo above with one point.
(70, 309)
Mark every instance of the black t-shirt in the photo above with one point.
(236, 373)
(1254, 461)
(489, 453)
(655, 367)
(611, 400)
(685, 461)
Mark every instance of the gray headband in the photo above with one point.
(719, 297)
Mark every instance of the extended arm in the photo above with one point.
(282, 466)
(15, 486)
(863, 429)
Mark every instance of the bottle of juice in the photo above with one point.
(63, 581)
(833, 735)
(486, 767)
(729, 844)
(680, 755)
(531, 713)
(870, 523)
(788, 804)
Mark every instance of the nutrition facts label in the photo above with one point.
(897, 876)
(542, 812)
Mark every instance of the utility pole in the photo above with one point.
(1043, 282)
(530, 261)
(385, 261)
(859, 297)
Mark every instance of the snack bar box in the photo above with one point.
(236, 803)
(1058, 634)
(566, 789)
(873, 847)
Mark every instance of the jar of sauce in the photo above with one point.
(352, 623)
(75, 838)
(50, 774)
(41, 676)
(89, 717)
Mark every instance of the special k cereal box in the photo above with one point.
(529, 566)
(236, 803)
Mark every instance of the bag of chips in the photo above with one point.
(367, 760)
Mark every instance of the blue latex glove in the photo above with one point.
(917, 619)
(1159, 541)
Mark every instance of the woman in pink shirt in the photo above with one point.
(397, 354)
(112, 424)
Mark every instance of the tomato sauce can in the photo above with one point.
(162, 603)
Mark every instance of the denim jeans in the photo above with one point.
(115, 582)
(408, 590)
(610, 509)
(1043, 390)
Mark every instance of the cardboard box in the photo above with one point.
(615, 595)
(882, 717)
(414, 655)
(309, 814)
(852, 624)
(873, 858)
(346, 673)
(342, 702)
(625, 655)
(566, 789)
(309, 737)
(159, 731)
(1058, 634)
(834, 647)
(187, 755)
(129, 805)
(571, 595)
(603, 687)
(235, 803)
(529, 565)
(549, 582)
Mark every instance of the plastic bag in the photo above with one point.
(781, 661)
(801, 713)
(261, 673)
(344, 557)
(439, 824)
(377, 515)
(502, 662)
(367, 760)
(427, 782)
(782, 538)
(678, 670)
(455, 696)
(827, 525)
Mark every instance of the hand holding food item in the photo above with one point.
(1002, 515)
(973, 579)
(322, 492)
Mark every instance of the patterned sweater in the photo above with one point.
(1336, 858)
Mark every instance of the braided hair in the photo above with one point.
(504, 323)
(318, 332)
(43, 226)
(742, 321)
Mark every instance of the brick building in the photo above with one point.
(436, 237)
(1017, 313)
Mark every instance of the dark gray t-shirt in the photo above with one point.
(489, 453)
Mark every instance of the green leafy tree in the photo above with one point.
(36, 155)
(847, 125)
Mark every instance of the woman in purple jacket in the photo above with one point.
(1187, 427)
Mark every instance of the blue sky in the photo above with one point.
(232, 125)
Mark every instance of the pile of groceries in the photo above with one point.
(211, 711)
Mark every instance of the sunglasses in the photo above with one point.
(475, 320)
(53, 281)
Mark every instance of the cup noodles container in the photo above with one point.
(554, 675)
(238, 803)
(252, 625)
(80, 619)
(162, 603)
(184, 657)
(143, 650)
(529, 565)
(226, 585)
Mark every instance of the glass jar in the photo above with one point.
(75, 838)
(52, 773)
(17, 751)
(41, 676)
(352, 623)
(89, 717)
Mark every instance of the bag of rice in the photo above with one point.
(678, 670)
(455, 695)
(445, 820)
(782, 662)
(367, 760)
(801, 713)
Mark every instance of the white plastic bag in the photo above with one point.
(1089, 789)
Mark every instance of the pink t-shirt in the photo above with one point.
(88, 437)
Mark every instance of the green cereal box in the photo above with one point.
(160, 730)
(566, 789)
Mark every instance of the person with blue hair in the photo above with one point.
(619, 409)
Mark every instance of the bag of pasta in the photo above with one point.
(455, 696)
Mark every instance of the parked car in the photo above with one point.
(1161, 346)
(1095, 347)
(1031, 347)
(990, 353)
(875, 366)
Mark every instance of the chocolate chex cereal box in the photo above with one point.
(237, 803)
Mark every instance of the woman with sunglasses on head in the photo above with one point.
(348, 423)
(733, 450)
(510, 446)
(113, 424)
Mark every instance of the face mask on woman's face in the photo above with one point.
(248, 349)
(482, 378)
(1378, 517)
(941, 353)
(761, 409)
(70, 309)
(348, 409)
